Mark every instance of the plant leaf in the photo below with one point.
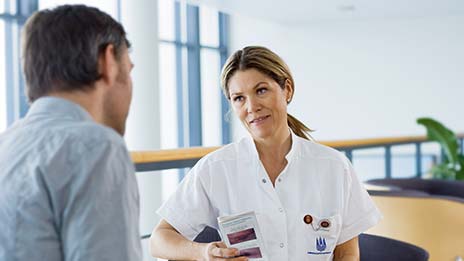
(447, 139)
(460, 172)
(442, 171)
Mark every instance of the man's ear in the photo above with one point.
(108, 65)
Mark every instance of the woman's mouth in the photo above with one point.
(259, 119)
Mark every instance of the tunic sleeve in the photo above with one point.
(189, 209)
(359, 213)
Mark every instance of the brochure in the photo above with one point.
(241, 231)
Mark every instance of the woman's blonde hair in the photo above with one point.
(268, 63)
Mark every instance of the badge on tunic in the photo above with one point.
(324, 223)
(308, 219)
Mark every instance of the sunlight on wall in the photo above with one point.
(3, 117)
(211, 98)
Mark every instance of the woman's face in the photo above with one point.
(260, 103)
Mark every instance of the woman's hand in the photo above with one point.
(219, 251)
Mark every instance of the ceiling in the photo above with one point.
(310, 11)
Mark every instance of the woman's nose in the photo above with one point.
(253, 105)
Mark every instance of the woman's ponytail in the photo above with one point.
(298, 127)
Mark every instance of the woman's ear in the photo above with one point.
(288, 90)
(108, 65)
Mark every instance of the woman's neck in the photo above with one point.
(276, 146)
(272, 153)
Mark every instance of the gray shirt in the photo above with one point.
(68, 189)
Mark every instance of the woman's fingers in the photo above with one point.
(221, 250)
(221, 244)
(240, 258)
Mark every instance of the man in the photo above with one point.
(67, 184)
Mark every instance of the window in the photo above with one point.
(3, 116)
(13, 102)
(192, 50)
(13, 14)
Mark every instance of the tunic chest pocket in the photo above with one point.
(320, 235)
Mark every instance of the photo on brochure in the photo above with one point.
(241, 231)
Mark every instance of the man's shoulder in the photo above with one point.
(90, 133)
(48, 137)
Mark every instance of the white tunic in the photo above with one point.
(317, 181)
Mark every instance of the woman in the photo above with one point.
(308, 201)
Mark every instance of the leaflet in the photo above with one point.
(241, 231)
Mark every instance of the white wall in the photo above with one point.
(143, 133)
(367, 78)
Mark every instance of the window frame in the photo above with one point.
(194, 47)
(193, 81)
(16, 100)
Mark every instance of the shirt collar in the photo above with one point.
(290, 155)
(294, 148)
(58, 107)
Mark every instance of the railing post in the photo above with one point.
(388, 161)
(462, 145)
(349, 154)
(434, 159)
(418, 160)
(442, 155)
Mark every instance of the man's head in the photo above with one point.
(73, 48)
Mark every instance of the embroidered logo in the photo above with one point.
(320, 244)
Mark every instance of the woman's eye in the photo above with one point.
(237, 98)
(261, 90)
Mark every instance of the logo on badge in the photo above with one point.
(320, 244)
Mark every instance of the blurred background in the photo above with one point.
(363, 69)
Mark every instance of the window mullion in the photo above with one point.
(223, 52)
(12, 111)
(179, 78)
(194, 81)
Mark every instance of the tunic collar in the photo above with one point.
(294, 149)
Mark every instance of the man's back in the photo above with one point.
(67, 188)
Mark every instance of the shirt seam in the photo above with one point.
(371, 218)
(176, 220)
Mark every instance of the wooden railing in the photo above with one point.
(187, 157)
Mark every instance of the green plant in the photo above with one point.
(453, 164)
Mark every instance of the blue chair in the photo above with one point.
(372, 248)
(208, 235)
(379, 248)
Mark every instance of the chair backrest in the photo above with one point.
(431, 186)
(403, 192)
(372, 247)
(435, 224)
(208, 235)
(379, 248)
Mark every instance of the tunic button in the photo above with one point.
(281, 245)
(281, 210)
(279, 180)
(264, 180)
